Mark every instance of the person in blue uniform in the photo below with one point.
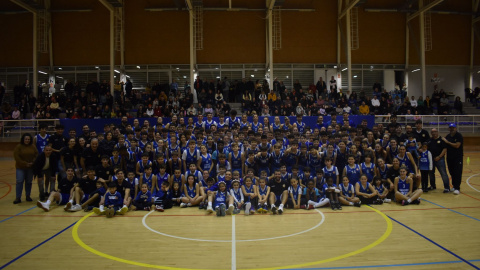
(347, 194)
(404, 191)
(236, 159)
(382, 191)
(295, 191)
(191, 191)
(425, 165)
(163, 198)
(143, 200)
(366, 192)
(114, 202)
(313, 196)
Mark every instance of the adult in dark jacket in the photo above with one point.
(44, 168)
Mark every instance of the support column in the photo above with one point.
(349, 50)
(475, 5)
(34, 82)
(112, 51)
(270, 48)
(339, 36)
(407, 54)
(422, 49)
(192, 51)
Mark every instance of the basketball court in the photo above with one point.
(440, 233)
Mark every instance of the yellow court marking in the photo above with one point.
(385, 235)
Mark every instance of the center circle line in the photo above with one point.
(229, 241)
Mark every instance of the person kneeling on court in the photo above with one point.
(278, 193)
(404, 189)
(64, 192)
(163, 198)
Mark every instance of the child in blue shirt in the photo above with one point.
(114, 202)
(425, 165)
(143, 201)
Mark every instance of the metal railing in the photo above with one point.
(465, 123)
(15, 128)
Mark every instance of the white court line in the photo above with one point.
(228, 241)
(234, 244)
(468, 182)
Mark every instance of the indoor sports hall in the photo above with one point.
(263, 75)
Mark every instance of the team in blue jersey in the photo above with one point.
(227, 166)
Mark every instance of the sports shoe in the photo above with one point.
(229, 210)
(280, 210)
(146, 208)
(110, 212)
(456, 192)
(200, 206)
(28, 199)
(446, 190)
(218, 211)
(432, 188)
(339, 206)
(209, 209)
(189, 204)
(222, 210)
(183, 205)
(68, 206)
(123, 210)
(417, 201)
(44, 206)
(333, 206)
(247, 209)
(387, 200)
(259, 210)
(159, 208)
(98, 211)
(236, 211)
(310, 207)
(405, 202)
(379, 201)
(274, 210)
(357, 204)
(74, 208)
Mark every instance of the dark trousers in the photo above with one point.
(455, 168)
(141, 204)
(424, 179)
(368, 200)
(165, 203)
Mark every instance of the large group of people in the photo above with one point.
(234, 164)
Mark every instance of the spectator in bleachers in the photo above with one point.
(364, 109)
(458, 106)
(443, 109)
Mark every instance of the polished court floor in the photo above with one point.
(443, 232)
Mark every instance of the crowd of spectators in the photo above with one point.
(165, 100)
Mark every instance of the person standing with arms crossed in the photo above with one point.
(454, 142)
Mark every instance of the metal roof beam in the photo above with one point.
(350, 6)
(25, 5)
(424, 9)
